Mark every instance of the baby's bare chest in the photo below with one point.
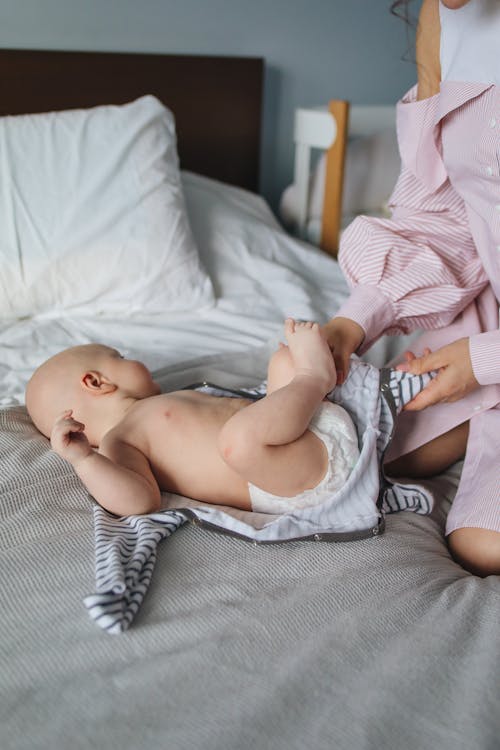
(184, 423)
(181, 443)
(191, 410)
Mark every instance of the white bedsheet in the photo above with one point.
(260, 275)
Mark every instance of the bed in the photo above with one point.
(384, 642)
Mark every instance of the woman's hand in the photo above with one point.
(455, 378)
(344, 337)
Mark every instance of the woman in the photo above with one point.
(435, 265)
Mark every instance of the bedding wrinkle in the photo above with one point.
(15, 234)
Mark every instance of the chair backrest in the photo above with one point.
(329, 128)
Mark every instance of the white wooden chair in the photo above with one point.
(328, 128)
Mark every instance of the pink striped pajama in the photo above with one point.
(435, 266)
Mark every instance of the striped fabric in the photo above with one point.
(396, 497)
(397, 289)
(485, 350)
(406, 497)
(404, 387)
(435, 264)
(125, 548)
(441, 247)
(125, 556)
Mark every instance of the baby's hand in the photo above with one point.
(68, 438)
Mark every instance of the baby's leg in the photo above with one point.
(267, 442)
(311, 355)
(307, 351)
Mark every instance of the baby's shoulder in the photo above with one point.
(137, 426)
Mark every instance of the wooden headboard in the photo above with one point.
(216, 100)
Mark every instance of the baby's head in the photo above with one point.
(87, 379)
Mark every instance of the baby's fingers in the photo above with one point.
(63, 416)
(66, 424)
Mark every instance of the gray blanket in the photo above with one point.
(383, 643)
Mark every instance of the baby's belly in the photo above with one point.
(207, 479)
(185, 458)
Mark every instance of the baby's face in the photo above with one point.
(132, 376)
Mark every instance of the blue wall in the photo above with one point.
(314, 49)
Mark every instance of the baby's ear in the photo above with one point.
(96, 383)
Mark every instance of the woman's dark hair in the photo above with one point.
(401, 9)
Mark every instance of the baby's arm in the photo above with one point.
(121, 481)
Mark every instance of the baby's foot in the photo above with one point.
(310, 352)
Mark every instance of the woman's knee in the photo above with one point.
(476, 550)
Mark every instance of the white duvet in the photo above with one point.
(260, 275)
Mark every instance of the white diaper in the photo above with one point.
(333, 425)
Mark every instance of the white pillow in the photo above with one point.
(92, 215)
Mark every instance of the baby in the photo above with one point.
(287, 450)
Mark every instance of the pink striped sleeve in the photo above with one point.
(416, 270)
(485, 356)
